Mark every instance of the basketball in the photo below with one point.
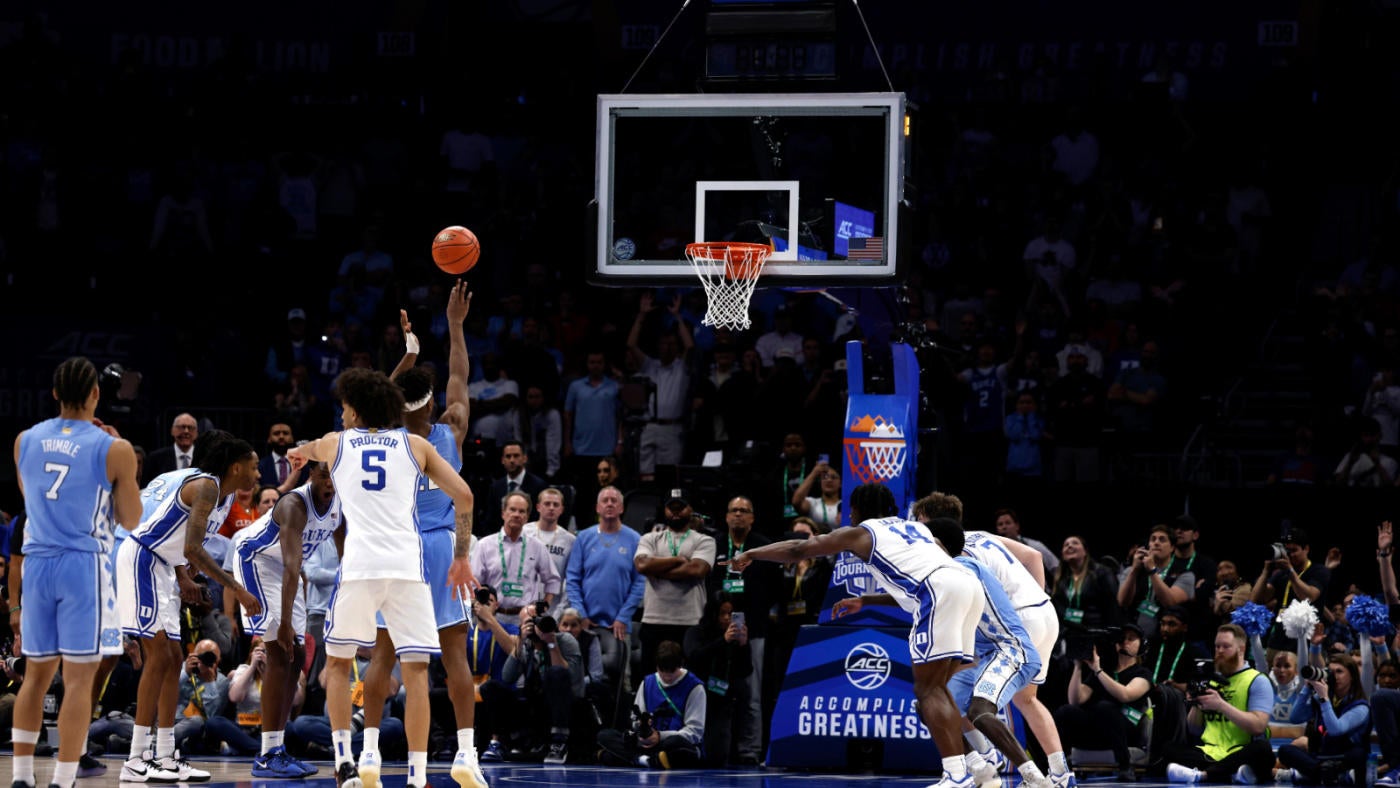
(455, 250)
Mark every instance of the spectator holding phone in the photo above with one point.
(825, 508)
(719, 656)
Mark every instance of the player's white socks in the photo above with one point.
(24, 764)
(140, 742)
(65, 773)
(417, 769)
(466, 740)
(1058, 764)
(165, 742)
(954, 767)
(340, 742)
(979, 742)
(371, 741)
(1030, 773)
(974, 760)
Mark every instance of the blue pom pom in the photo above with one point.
(1369, 616)
(1253, 618)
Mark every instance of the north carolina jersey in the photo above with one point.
(263, 539)
(377, 479)
(902, 555)
(1000, 629)
(435, 509)
(164, 516)
(1015, 578)
(67, 495)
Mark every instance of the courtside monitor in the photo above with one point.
(817, 177)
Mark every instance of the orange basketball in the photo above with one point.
(455, 250)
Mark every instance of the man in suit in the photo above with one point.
(183, 430)
(514, 459)
(274, 469)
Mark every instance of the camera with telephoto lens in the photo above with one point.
(1314, 673)
(1081, 644)
(15, 664)
(1206, 678)
(641, 724)
(483, 595)
(543, 623)
(1277, 552)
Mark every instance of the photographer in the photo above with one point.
(669, 718)
(203, 693)
(1338, 725)
(1151, 584)
(544, 669)
(1229, 718)
(1106, 707)
(1290, 575)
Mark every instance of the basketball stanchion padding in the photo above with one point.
(729, 272)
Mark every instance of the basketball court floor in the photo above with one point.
(235, 773)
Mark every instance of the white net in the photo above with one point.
(729, 272)
(884, 458)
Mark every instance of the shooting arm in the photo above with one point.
(458, 370)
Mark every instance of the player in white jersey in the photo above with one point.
(943, 597)
(377, 469)
(1021, 571)
(179, 510)
(78, 478)
(267, 558)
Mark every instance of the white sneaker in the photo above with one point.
(466, 771)
(947, 782)
(146, 769)
(1176, 773)
(369, 767)
(983, 773)
(182, 768)
(1244, 776)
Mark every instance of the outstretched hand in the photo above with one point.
(459, 303)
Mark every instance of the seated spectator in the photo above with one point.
(669, 727)
(1171, 658)
(310, 734)
(1106, 708)
(1083, 590)
(719, 656)
(243, 733)
(529, 708)
(1338, 728)
(203, 693)
(1231, 590)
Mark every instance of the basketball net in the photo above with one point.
(729, 273)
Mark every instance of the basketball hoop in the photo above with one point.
(729, 272)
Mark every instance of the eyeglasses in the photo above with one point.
(738, 510)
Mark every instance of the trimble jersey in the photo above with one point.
(68, 497)
(435, 509)
(1015, 578)
(263, 539)
(164, 516)
(902, 555)
(377, 478)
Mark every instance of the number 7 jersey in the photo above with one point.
(902, 555)
(377, 478)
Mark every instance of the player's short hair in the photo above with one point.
(938, 504)
(415, 382)
(377, 400)
(529, 502)
(216, 450)
(873, 501)
(73, 381)
(669, 656)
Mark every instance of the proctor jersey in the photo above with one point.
(435, 509)
(1000, 629)
(902, 555)
(263, 539)
(1015, 578)
(377, 479)
(164, 516)
(67, 495)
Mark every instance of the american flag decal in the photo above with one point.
(865, 249)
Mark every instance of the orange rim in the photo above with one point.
(740, 259)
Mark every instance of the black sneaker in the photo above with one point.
(348, 776)
(89, 766)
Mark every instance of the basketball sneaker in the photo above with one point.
(276, 764)
(466, 771)
(1177, 773)
(984, 774)
(369, 767)
(347, 776)
(948, 782)
(184, 772)
(146, 769)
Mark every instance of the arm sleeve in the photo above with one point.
(694, 730)
(1261, 695)
(1302, 704)
(634, 599)
(573, 578)
(1352, 720)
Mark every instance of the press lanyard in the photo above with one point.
(674, 545)
(826, 516)
(787, 493)
(1156, 668)
(476, 655)
(1289, 588)
(198, 693)
(520, 568)
(1075, 592)
(732, 552)
(797, 587)
(667, 697)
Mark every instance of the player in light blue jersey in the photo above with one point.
(268, 556)
(919, 576)
(155, 568)
(77, 477)
(437, 524)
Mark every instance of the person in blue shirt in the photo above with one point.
(602, 581)
(78, 478)
(1338, 727)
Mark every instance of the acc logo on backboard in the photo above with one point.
(875, 449)
(868, 666)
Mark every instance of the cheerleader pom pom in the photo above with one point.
(1253, 618)
(1298, 619)
(1368, 616)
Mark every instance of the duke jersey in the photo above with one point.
(263, 539)
(377, 478)
(1015, 578)
(68, 497)
(435, 509)
(1000, 629)
(164, 516)
(902, 556)
(986, 407)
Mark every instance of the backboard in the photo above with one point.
(819, 177)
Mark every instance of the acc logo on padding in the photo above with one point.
(868, 666)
